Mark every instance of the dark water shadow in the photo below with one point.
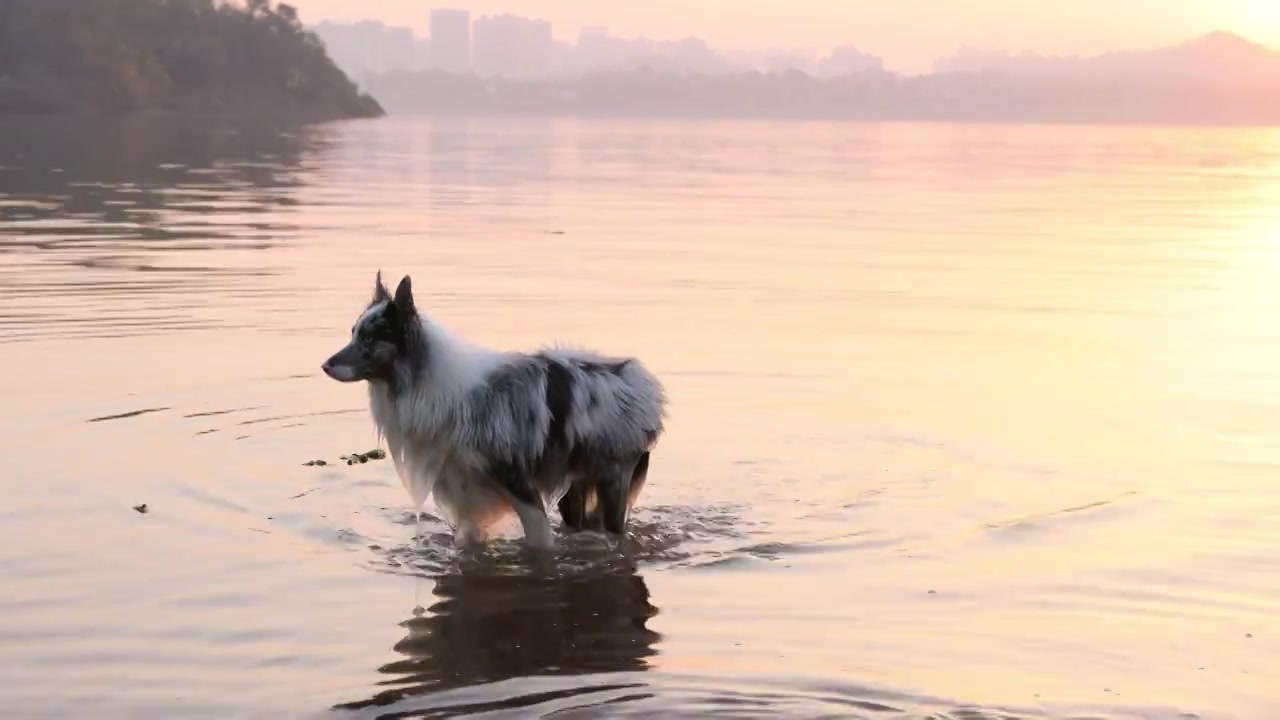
(116, 179)
(510, 633)
(131, 225)
(486, 627)
(658, 537)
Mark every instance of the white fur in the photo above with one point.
(417, 429)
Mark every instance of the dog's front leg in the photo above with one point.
(470, 535)
(537, 528)
(515, 482)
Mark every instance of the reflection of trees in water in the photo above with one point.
(135, 225)
(487, 628)
(67, 181)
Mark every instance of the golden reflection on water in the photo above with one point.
(962, 416)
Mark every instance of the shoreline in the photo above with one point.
(304, 117)
(850, 119)
(312, 117)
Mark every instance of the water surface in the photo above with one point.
(966, 421)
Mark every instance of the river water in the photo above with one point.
(966, 421)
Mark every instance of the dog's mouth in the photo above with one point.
(341, 373)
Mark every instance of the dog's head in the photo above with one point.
(379, 339)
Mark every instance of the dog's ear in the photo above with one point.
(404, 297)
(380, 292)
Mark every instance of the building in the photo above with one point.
(849, 60)
(451, 40)
(368, 47)
(512, 47)
(598, 50)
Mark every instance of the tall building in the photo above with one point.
(367, 47)
(512, 47)
(598, 50)
(849, 60)
(451, 40)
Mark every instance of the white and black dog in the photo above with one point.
(486, 432)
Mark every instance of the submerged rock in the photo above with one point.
(361, 458)
(353, 458)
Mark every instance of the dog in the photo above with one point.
(486, 433)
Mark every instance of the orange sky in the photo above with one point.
(908, 33)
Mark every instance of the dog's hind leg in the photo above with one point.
(638, 477)
(613, 488)
(579, 508)
(573, 507)
(594, 519)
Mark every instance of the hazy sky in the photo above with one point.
(909, 34)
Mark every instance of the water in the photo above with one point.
(966, 421)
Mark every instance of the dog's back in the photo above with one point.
(607, 415)
(567, 428)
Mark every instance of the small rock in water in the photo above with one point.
(361, 458)
(141, 508)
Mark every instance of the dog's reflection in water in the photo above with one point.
(485, 628)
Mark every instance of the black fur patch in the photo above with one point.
(389, 326)
(516, 481)
(506, 391)
(560, 403)
(392, 344)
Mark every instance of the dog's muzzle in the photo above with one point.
(342, 366)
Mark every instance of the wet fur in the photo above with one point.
(486, 433)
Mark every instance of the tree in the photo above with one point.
(182, 54)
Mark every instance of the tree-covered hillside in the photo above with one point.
(199, 56)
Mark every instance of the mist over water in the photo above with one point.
(966, 421)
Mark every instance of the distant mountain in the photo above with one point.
(1222, 57)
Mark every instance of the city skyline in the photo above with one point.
(911, 35)
(520, 48)
(516, 47)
